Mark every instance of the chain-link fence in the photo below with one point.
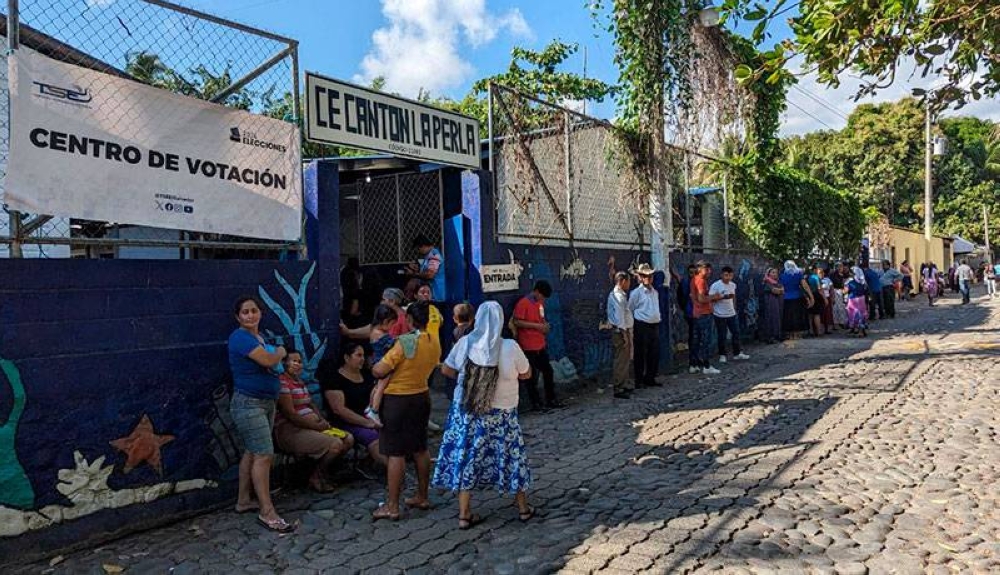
(170, 47)
(564, 178)
(391, 212)
(559, 177)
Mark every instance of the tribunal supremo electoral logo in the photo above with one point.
(76, 95)
(249, 138)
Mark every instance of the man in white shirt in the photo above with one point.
(965, 276)
(644, 303)
(723, 297)
(620, 318)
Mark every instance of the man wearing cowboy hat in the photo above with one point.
(644, 303)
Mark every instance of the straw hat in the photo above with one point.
(644, 270)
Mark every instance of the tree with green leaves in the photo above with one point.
(879, 158)
(535, 73)
(954, 40)
(202, 83)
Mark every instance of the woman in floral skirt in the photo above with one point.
(482, 445)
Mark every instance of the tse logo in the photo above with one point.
(75, 94)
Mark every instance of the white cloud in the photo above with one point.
(422, 43)
(814, 106)
(100, 3)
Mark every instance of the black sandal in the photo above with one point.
(526, 516)
(465, 523)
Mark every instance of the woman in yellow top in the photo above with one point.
(434, 318)
(406, 409)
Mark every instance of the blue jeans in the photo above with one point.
(732, 325)
(702, 341)
(963, 286)
(254, 420)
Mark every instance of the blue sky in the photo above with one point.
(445, 45)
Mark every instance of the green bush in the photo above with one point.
(790, 215)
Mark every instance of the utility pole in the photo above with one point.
(986, 232)
(928, 182)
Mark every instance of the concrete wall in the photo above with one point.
(911, 245)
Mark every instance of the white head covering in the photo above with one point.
(859, 275)
(790, 267)
(485, 341)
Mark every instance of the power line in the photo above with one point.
(829, 106)
(810, 114)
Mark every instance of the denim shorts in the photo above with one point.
(254, 419)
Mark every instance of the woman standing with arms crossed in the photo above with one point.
(255, 391)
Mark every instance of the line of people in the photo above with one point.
(382, 399)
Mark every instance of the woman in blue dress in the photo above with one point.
(482, 446)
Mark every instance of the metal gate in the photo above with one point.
(392, 210)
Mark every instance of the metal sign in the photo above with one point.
(343, 114)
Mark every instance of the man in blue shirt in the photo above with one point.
(874, 280)
(684, 302)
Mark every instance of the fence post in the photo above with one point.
(687, 207)
(725, 207)
(569, 179)
(13, 29)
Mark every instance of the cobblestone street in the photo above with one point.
(830, 455)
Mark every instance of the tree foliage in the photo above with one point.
(951, 39)
(535, 73)
(663, 57)
(879, 157)
(792, 216)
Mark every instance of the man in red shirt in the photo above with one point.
(529, 319)
(701, 305)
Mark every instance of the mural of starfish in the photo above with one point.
(142, 446)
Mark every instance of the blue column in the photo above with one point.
(321, 200)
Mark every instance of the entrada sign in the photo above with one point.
(343, 114)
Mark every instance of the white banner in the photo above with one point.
(503, 277)
(343, 114)
(90, 145)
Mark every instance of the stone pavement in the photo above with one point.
(830, 455)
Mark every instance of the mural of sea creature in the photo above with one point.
(142, 446)
(297, 328)
(86, 486)
(750, 312)
(575, 270)
(225, 447)
(15, 489)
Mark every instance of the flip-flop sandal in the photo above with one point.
(465, 523)
(383, 513)
(422, 505)
(526, 516)
(276, 525)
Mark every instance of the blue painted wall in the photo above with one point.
(99, 345)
